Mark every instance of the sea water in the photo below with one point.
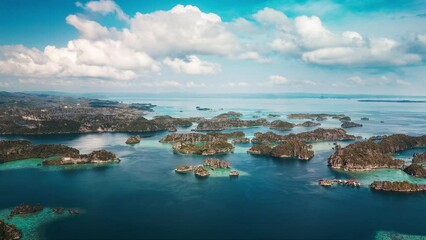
(143, 198)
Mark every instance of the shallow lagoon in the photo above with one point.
(142, 197)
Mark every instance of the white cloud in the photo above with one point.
(379, 52)
(402, 82)
(357, 80)
(88, 29)
(81, 58)
(307, 37)
(278, 80)
(237, 84)
(183, 30)
(269, 16)
(254, 56)
(312, 33)
(125, 54)
(105, 7)
(191, 65)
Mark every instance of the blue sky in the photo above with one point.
(372, 47)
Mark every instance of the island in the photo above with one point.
(350, 125)
(209, 165)
(308, 124)
(367, 155)
(316, 135)
(202, 144)
(9, 231)
(25, 209)
(281, 125)
(419, 157)
(404, 186)
(133, 140)
(22, 113)
(315, 116)
(292, 148)
(416, 170)
(62, 155)
(95, 157)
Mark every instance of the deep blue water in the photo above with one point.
(142, 197)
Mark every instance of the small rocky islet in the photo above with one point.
(209, 165)
(9, 231)
(133, 140)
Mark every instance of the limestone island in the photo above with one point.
(133, 140)
(282, 125)
(416, 170)
(210, 164)
(202, 144)
(9, 231)
(404, 186)
(419, 157)
(315, 116)
(63, 155)
(35, 114)
(367, 155)
(308, 124)
(292, 148)
(316, 135)
(350, 125)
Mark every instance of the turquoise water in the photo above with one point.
(143, 198)
(31, 226)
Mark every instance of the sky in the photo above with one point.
(214, 46)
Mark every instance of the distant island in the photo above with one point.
(391, 101)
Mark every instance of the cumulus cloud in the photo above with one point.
(180, 31)
(105, 7)
(269, 16)
(81, 58)
(180, 37)
(379, 52)
(127, 53)
(281, 80)
(191, 65)
(309, 38)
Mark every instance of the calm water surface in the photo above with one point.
(142, 197)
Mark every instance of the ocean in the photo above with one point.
(143, 198)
